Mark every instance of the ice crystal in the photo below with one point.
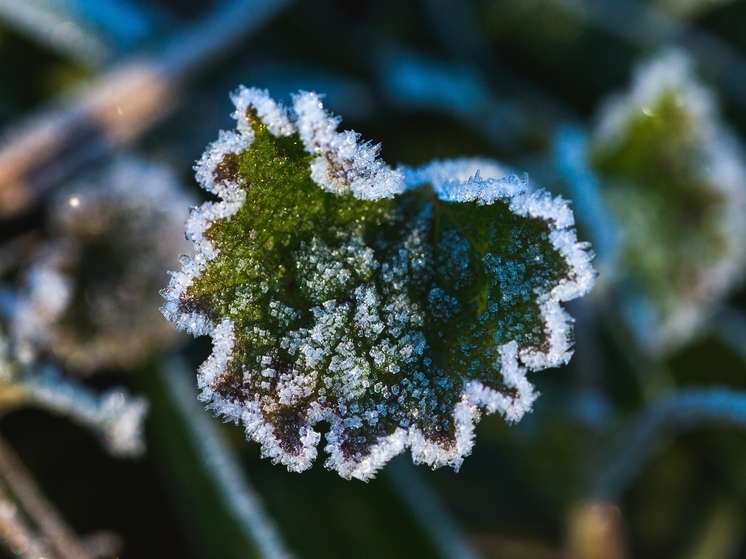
(88, 297)
(392, 304)
(675, 179)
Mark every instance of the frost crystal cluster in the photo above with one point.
(392, 304)
(675, 178)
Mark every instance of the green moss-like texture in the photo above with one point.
(373, 315)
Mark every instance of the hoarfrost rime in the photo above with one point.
(364, 321)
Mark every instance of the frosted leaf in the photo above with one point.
(88, 297)
(390, 304)
(675, 180)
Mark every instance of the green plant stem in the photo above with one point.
(667, 416)
(235, 490)
(429, 511)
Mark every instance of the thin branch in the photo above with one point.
(54, 28)
(115, 416)
(238, 496)
(645, 433)
(52, 526)
(411, 81)
(118, 107)
(16, 534)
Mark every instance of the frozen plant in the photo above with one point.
(674, 178)
(393, 304)
(89, 295)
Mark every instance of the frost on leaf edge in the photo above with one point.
(462, 180)
(367, 177)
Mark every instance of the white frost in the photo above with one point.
(460, 180)
(389, 318)
(45, 297)
(467, 180)
(116, 416)
(343, 164)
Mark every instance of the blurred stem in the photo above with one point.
(117, 107)
(42, 22)
(594, 528)
(16, 534)
(235, 490)
(571, 156)
(588, 364)
(429, 511)
(51, 525)
(645, 433)
(571, 161)
(114, 416)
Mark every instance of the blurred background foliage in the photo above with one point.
(635, 449)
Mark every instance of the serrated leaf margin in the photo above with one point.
(370, 178)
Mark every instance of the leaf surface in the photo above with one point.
(391, 304)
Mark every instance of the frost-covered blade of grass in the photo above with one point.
(115, 416)
(392, 304)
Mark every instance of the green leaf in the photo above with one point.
(674, 179)
(391, 304)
